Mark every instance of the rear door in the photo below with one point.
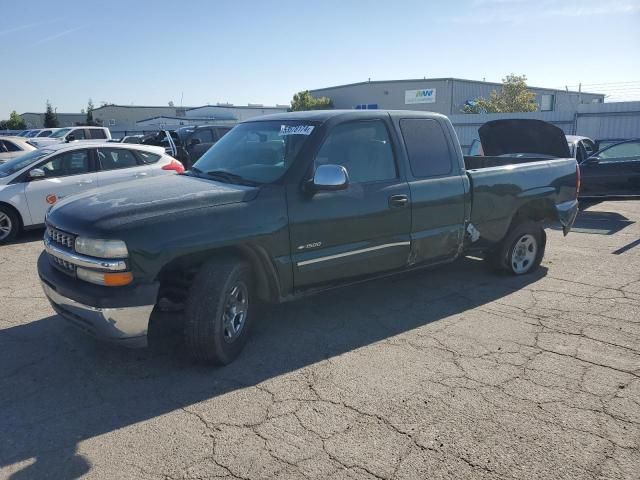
(358, 231)
(117, 165)
(67, 173)
(439, 190)
(615, 172)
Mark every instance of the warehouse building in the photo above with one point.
(222, 113)
(442, 95)
(131, 118)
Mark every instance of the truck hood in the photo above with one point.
(500, 137)
(166, 196)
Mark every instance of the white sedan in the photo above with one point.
(31, 183)
(12, 147)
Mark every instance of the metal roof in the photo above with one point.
(452, 79)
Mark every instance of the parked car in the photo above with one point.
(189, 142)
(290, 204)
(46, 132)
(580, 147)
(612, 172)
(70, 134)
(31, 183)
(25, 133)
(11, 147)
(603, 143)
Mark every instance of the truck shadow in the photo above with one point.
(598, 222)
(60, 388)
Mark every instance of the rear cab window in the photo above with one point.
(427, 147)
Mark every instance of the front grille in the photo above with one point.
(61, 238)
(63, 265)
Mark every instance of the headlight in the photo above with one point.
(116, 279)
(101, 248)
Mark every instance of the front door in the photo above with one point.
(358, 231)
(66, 174)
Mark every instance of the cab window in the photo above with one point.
(205, 135)
(363, 148)
(116, 158)
(427, 147)
(97, 133)
(78, 134)
(67, 163)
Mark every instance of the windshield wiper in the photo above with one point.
(229, 177)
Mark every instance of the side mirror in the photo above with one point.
(330, 178)
(592, 161)
(36, 173)
(70, 138)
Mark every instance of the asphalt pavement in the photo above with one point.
(451, 373)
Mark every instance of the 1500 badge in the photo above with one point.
(310, 245)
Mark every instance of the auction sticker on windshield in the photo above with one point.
(295, 130)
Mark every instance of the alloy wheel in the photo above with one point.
(524, 253)
(235, 311)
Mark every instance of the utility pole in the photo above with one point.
(580, 93)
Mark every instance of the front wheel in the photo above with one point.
(218, 311)
(9, 225)
(522, 250)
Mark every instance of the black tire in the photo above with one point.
(515, 253)
(9, 224)
(207, 335)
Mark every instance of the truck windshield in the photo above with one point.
(258, 152)
(18, 163)
(60, 133)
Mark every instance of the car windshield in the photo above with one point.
(258, 152)
(60, 133)
(18, 163)
(33, 133)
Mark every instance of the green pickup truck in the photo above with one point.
(291, 204)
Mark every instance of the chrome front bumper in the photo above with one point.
(126, 326)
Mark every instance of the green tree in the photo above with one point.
(513, 97)
(305, 101)
(15, 122)
(90, 107)
(50, 117)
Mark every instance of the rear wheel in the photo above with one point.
(218, 311)
(9, 224)
(521, 251)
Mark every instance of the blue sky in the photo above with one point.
(149, 53)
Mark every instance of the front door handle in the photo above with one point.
(396, 201)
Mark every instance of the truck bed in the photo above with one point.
(500, 186)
